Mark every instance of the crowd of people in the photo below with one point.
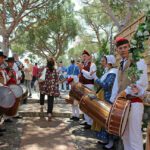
(114, 80)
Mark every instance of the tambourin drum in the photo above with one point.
(25, 92)
(18, 92)
(112, 117)
(7, 99)
(78, 90)
(118, 116)
(96, 109)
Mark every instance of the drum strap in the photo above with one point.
(136, 100)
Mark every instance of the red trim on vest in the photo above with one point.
(136, 100)
(82, 79)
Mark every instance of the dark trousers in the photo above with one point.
(50, 102)
(33, 81)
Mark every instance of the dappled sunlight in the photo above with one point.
(41, 134)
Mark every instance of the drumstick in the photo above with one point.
(92, 72)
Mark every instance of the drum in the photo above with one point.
(25, 92)
(18, 92)
(7, 99)
(78, 90)
(96, 109)
(118, 116)
(112, 117)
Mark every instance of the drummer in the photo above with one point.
(3, 80)
(73, 72)
(109, 87)
(3, 65)
(87, 79)
(10, 71)
(11, 80)
(132, 138)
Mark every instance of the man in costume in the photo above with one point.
(62, 70)
(3, 77)
(3, 81)
(87, 78)
(132, 138)
(10, 71)
(72, 72)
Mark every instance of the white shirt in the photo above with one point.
(87, 74)
(142, 83)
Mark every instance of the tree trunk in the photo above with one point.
(5, 45)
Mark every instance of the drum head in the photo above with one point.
(23, 88)
(7, 98)
(17, 90)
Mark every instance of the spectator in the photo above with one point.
(28, 75)
(49, 86)
(34, 75)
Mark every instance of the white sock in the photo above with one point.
(110, 144)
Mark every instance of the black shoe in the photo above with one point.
(76, 119)
(83, 123)
(8, 121)
(2, 130)
(30, 96)
(18, 117)
(1, 134)
(86, 127)
(72, 118)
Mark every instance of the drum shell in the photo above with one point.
(13, 110)
(6, 92)
(78, 90)
(96, 109)
(25, 92)
(17, 90)
(117, 119)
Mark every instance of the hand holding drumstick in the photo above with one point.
(92, 73)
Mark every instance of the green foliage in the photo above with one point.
(138, 46)
(51, 35)
(102, 51)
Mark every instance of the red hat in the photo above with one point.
(86, 52)
(69, 80)
(120, 41)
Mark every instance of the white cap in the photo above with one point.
(111, 59)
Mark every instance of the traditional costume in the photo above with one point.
(3, 75)
(72, 72)
(88, 80)
(11, 72)
(132, 138)
(109, 84)
(62, 76)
